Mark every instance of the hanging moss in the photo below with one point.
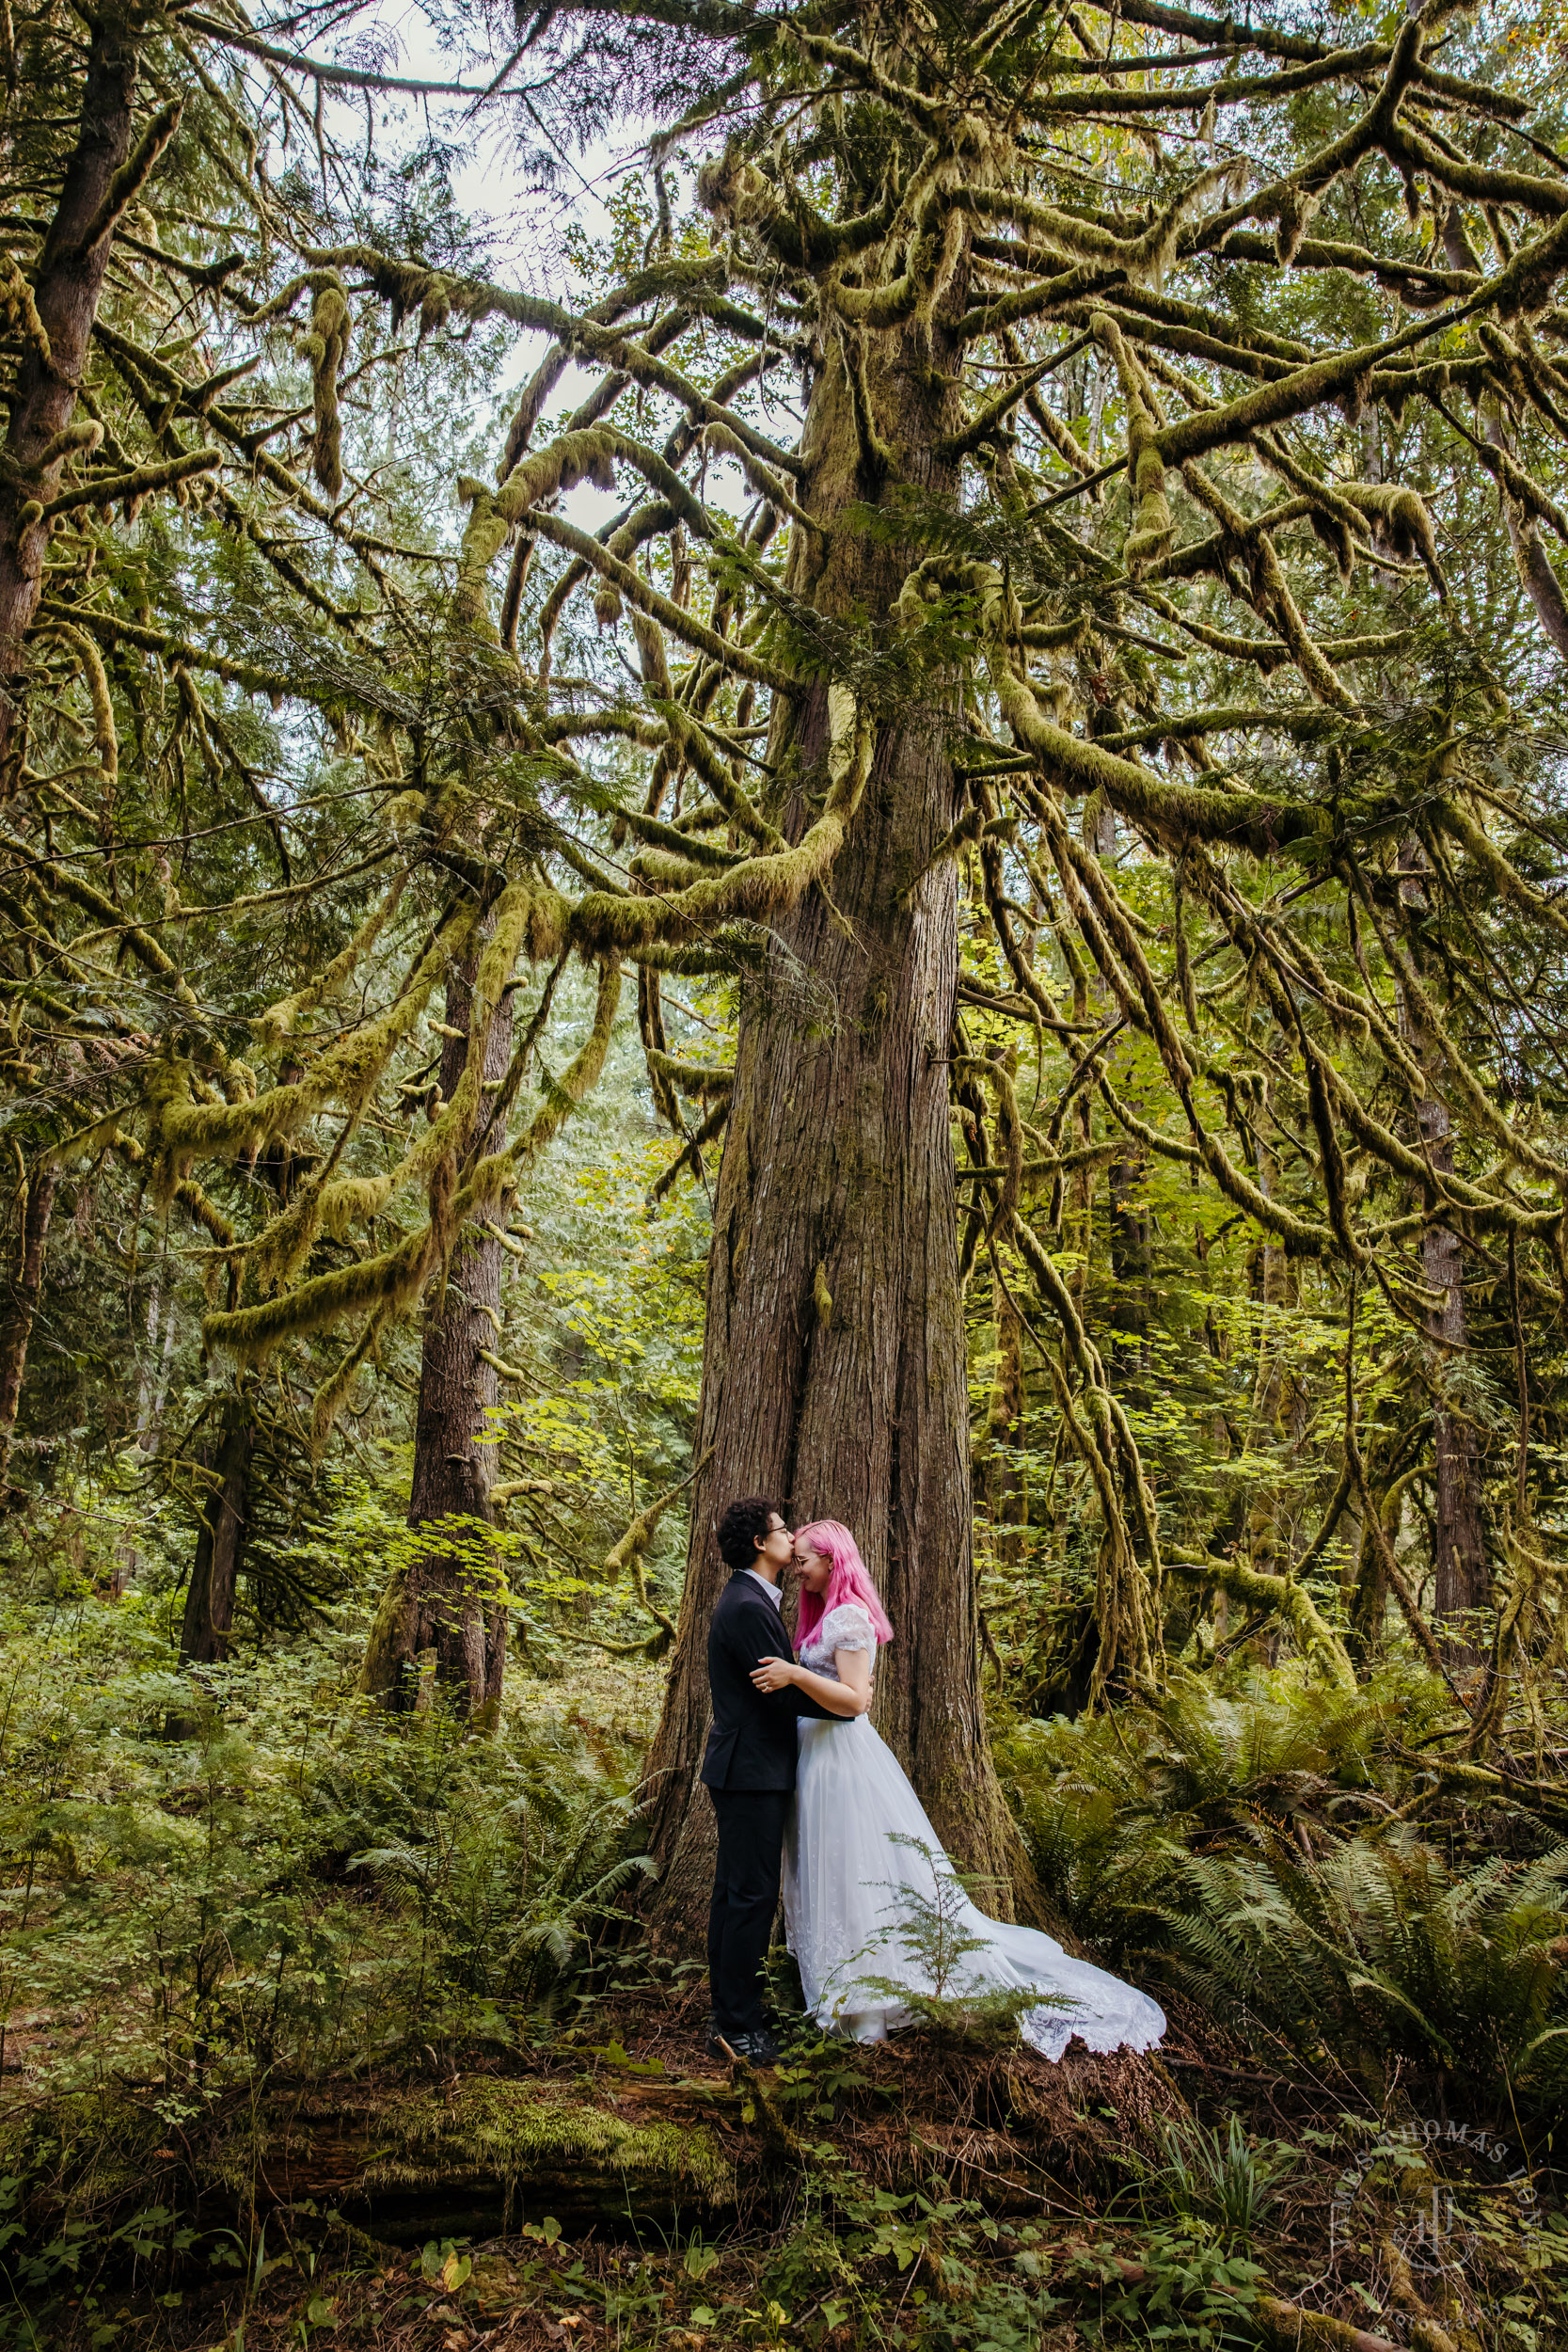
(180, 1126)
(1153, 525)
(249, 1334)
(105, 739)
(334, 1394)
(325, 348)
(699, 1080)
(1401, 524)
(482, 539)
(762, 884)
(496, 1176)
(549, 472)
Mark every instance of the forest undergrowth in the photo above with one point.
(882, 817)
(326, 2025)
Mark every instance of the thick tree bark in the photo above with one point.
(68, 282)
(448, 1605)
(21, 1303)
(220, 1547)
(833, 1375)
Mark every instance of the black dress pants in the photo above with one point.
(745, 1897)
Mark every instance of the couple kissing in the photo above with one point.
(804, 1789)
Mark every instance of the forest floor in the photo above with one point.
(616, 2189)
(440, 2166)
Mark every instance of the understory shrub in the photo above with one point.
(1283, 1854)
(296, 1882)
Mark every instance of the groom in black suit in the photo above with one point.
(749, 1770)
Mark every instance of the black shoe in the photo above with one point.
(757, 2049)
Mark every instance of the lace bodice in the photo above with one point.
(845, 1628)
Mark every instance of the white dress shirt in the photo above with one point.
(769, 1588)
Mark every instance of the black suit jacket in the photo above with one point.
(752, 1743)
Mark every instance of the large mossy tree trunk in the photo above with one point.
(446, 1606)
(833, 1374)
(21, 1304)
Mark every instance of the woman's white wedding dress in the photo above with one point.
(860, 1862)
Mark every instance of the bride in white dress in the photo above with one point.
(862, 1860)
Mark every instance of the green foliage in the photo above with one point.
(1187, 2289)
(605, 1326)
(1106, 1805)
(507, 1880)
(1259, 1849)
(296, 1881)
(1220, 2177)
(928, 1934)
(1382, 1950)
(862, 2258)
(39, 2269)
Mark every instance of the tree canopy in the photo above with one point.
(1159, 418)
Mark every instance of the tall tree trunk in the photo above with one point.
(69, 281)
(21, 1303)
(446, 1605)
(1005, 1496)
(833, 1374)
(1460, 1577)
(220, 1547)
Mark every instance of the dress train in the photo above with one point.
(863, 1865)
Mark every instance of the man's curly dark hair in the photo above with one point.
(742, 1528)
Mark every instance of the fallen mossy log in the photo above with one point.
(489, 2151)
(601, 2144)
(402, 2160)
(486, 2152)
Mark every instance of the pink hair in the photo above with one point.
(850, 1580)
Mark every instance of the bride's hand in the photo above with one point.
(773, 1674)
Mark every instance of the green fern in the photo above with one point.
(509, 1864)
(1377, 1951)
(1246, 1845)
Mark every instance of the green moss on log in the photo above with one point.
(511, 2130)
